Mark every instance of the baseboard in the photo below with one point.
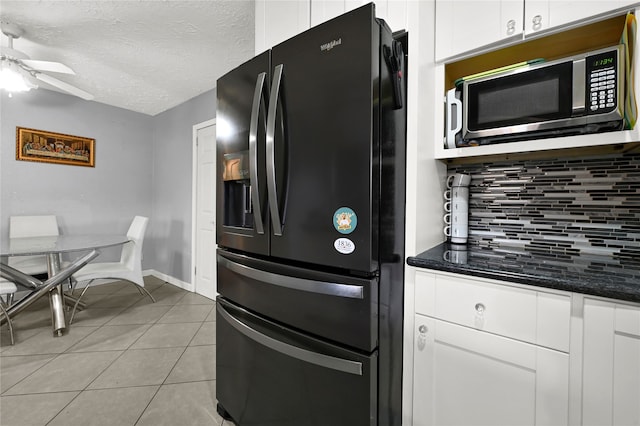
(164, 277)
(168, 278)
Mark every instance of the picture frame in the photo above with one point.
(49, 147)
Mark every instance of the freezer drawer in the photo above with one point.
(267, 374)
(343, 309)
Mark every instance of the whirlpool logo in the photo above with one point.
(328, 46)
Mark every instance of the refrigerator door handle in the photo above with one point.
(334, 363)
(321, 287)
(258, 100)
(270, 145)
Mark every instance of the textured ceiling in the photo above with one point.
(144, 56)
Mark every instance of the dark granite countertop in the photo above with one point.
(589, 274)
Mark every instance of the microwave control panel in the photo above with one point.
(602, 82)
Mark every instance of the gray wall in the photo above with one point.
(172, 180)
(143, 167)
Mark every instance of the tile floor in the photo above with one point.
(124, 361)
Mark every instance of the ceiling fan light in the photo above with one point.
(12, 80)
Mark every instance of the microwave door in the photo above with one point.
(522, 101)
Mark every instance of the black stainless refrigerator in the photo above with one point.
(310, 228)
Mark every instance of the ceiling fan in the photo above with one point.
(15, 65)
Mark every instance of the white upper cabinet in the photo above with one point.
(463, 26)
(394, 12)
(544, 14)
(323, 10)
(466, 25)
(590, 33)
(279, 20)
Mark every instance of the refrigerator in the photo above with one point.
(311, 139)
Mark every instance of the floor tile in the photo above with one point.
(151, 282)
(106, 288)
(186, 313)
(92, 316)
(195, 299)
(111, 362)
(19, 335)
(167, 336)
(91, 298)
(15, 368)
(206, 335)
(196, 363)
(32, 410)
(44, 343)
(212, 315)
(142, 314)
(111, 338)
(67, 372)
(111, 407)
(139, 367)
(169, 288)
(175, 403)
(33, 318)
(116, 300)
(165, 297)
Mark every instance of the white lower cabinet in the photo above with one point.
(489, 354)
(611, 364)
(469, 377)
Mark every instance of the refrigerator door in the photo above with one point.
(338, 308)
(242, 213)
(324, 127)
(268, 374)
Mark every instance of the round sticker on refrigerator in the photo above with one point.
(345, 220)
(344, 245)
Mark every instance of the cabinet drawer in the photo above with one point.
(527, 315)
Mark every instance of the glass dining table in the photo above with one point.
(52, 247)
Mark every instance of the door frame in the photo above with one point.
(194, 195)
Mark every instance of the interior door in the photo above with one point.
(205, 267)
(328, 187)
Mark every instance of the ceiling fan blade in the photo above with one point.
(64, 86)
(47, 66)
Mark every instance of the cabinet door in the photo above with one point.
(465, 376)
(611, 370)
(465, 25)
(544, 14)
(392, 11)
(279, 20)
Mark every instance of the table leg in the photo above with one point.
(56, 296)
(40, 288)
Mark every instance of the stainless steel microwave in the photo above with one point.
(574, 95)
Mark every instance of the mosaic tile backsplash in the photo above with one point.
(564, 208)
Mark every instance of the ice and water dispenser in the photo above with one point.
(237, 190)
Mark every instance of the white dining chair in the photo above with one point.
(129, 268)
(7, 290)
(31, 226)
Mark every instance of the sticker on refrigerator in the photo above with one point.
(344, 245)
(345, 220)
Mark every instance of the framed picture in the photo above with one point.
(49, 147)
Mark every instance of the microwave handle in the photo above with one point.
(453, 103)
(579, 85)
